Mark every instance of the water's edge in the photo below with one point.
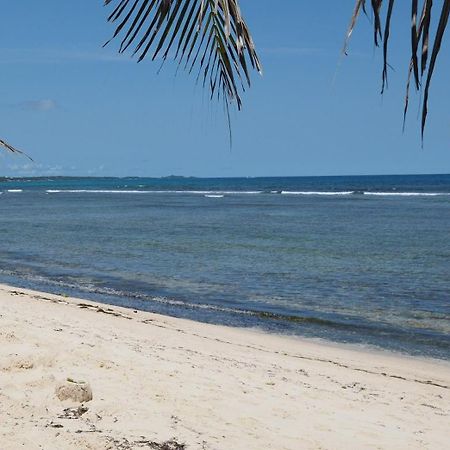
(323, 343)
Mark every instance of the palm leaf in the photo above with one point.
(420, 44)
(387, 30)
(360, 4)
(13, 149)
(443, 21)
(209, 35)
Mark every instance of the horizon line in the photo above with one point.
(224, 177)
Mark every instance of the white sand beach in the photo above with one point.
(156, 379)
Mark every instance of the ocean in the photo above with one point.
(357, 259)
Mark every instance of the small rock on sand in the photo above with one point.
(77, 391)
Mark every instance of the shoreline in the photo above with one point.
(97, 298)
(207, 386)
(317, 343)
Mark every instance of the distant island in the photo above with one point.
(177, 177)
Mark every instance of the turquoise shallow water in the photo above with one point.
(352, 259)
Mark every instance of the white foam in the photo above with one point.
(92, 191)
(218, 193)
(379, 194)
(408, 194)
(316, 193)
(15, 190)
(117, 191)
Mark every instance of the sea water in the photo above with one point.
(364, 260)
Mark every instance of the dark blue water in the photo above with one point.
(352, 259)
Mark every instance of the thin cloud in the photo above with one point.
(12, 166)
(38, 105)
(55, 56)
(291, 51)
(33, 169)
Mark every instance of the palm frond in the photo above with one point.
(13, 149)
(420, 44)
(209, 35)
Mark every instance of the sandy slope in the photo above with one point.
(155, 378)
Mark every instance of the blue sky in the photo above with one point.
(80, 109)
